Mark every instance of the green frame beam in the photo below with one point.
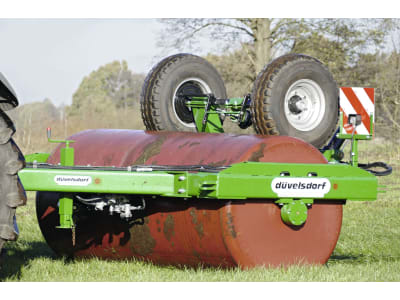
(246, 180)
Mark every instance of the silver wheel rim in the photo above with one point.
(304, 105)
(205, 88)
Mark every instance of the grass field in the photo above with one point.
(368, 248)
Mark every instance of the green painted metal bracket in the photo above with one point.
(333, 154)
(37, 157)
(65, 210)
(67, 158)
(207, 115)
(342, 135)
(66, 153)
(213, 124)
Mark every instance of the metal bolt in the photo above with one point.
(181, 191)
(181, 178)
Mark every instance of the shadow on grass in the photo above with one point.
(361, 259)
(343, 258)
(15, 257)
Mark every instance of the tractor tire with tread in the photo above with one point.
(177, 73)
(275, 96)
(12, 193)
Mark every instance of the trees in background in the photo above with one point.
(263, 39)
(31, 121)
(107, 98)
(110, 87)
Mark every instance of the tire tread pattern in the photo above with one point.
(149, 104)
(151, 98)
(262, 119)
(12, 193)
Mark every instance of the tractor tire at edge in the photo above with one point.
(12, 193)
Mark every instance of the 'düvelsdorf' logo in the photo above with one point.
(299, 187)
(74, 180)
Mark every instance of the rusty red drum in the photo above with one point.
(194, 232)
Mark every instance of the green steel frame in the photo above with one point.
(292, 186)
(246, 180)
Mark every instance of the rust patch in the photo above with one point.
(141, 240)
(218, 163)
(150, 150)
(231, 228)
(108, 159)
(197, 225)
(194, 144)
(169, 226)
(48, 211)
(183, 145)
(199, 229)
(158, 225)
(192, 212)
(197, 255)
(255, 156)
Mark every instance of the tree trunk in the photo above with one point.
(262, 43)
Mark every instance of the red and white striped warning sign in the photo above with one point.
(357, 100)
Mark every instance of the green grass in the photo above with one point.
(368, 248)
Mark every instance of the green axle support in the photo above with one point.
(207, 113)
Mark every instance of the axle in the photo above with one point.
(208, 111)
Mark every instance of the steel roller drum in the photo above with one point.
(193, 232)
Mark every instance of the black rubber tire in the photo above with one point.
(156, 99)
(12, 193)
(268, 95)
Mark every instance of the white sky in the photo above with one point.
(48, 58)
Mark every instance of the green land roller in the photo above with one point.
(183, 192)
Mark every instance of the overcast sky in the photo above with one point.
(49, 57)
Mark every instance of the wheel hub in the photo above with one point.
(294, 213)
(304, 105)
(296, 105)
(181, 110)
(188, 87)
